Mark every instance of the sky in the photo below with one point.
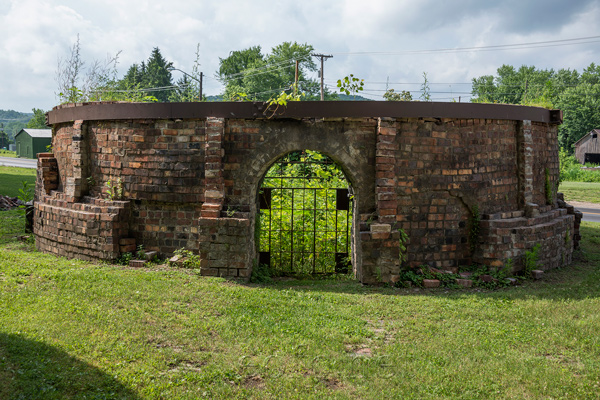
(385, 42)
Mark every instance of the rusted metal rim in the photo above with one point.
(103, 111)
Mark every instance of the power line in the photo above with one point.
(517, 46)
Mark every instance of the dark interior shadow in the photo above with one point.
(34, 370)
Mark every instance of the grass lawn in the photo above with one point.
(71, 329)
(581, 191)
(8, 153)
(11, 179)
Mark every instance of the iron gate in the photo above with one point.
(305, 216)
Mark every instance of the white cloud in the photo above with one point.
(34, 33)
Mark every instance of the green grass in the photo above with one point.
(71, 329)
(7, 153)
(581, 191)
(11, 179)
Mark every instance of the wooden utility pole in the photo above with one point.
(201, 76)
(322, 57)
(296, 80)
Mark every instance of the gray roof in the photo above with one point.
(586, 136)
(38, 133)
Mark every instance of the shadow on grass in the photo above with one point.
(578, 281)
(35, 370)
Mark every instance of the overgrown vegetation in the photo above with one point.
(303, 196)
(71, 329)
(571, 170)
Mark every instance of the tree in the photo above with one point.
(261, 76)
(390, 95)
(157, 75)
(578, 96)
(38, 121)
(581, 113)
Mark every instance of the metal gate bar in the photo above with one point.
(295, 235)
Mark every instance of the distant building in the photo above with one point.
(30, 142)
(587, 149)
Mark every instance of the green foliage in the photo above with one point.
(260, 75)
(548, 187)
(313, 211)
(114, 192)
(38, 121)
(12, 122)
(572, 171)
(261, 273)
(189, 259)
(124, 258)
(390, 95)
(425, 91)
(350, 85)
(402, 242)
(275, 103)
(26, 192)
(577, 95)
(530, 260)
(474, 222)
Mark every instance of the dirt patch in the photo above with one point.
(254, 382)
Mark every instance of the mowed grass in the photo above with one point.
(11, 179)
(71, 329)
(581, 191)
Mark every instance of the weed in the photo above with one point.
(189, 259)
(261, 273)
(115, 192)
(530, 260)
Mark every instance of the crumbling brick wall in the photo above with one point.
(191, 180)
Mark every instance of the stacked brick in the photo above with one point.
(47, 179)
(89, 229)
(507, 236)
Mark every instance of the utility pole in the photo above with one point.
(322, 57)
(296, 80)
(201, 76)
(192, 77)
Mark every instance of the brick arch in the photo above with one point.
(351, 146)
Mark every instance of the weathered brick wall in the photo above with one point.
(194, 183)
(89, 229)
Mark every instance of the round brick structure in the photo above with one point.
(424, 168)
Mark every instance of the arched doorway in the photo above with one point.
(305, 216)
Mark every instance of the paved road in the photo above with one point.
(590, 214)
(18, 162)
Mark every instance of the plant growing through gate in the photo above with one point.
(300, 185)
(350, 84)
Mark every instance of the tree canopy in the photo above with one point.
(577, 95)
(38, 121)
(261, 76)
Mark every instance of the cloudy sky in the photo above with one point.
(378, 40)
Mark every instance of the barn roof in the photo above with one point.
(38, 133)
(577, 143)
